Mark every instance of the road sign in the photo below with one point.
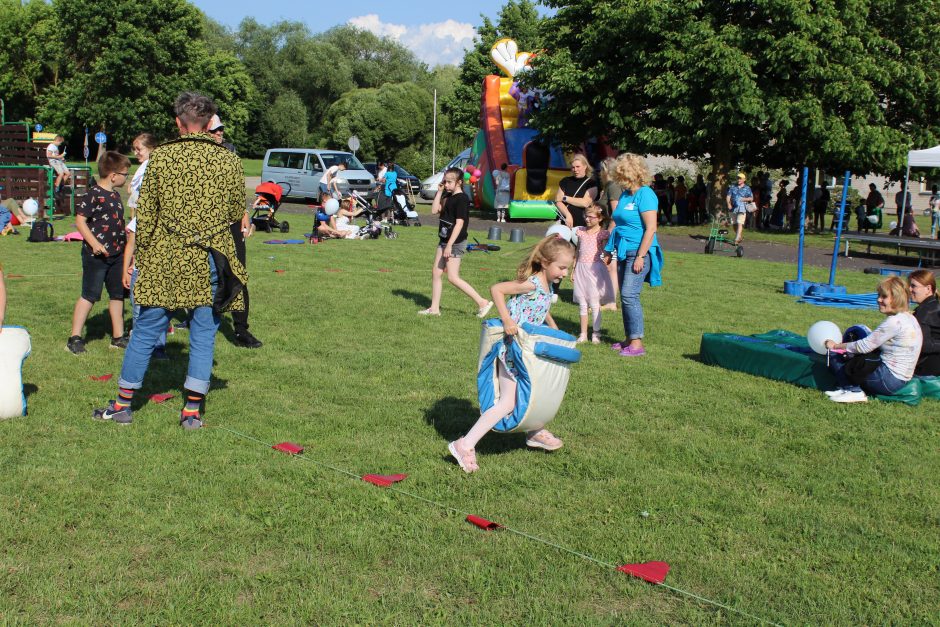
(101, 138)
(38, 128)
(353, 143)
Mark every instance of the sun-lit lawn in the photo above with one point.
(761, 495)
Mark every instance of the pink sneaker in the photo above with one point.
(633, 352)
(619, 346)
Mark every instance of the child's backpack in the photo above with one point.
(41, 231)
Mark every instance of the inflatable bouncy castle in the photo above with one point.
(535, 165)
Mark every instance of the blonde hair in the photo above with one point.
(631, 172)
(897, 293)
(546, 251)
(588, 169)
(607, 168)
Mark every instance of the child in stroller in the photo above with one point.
(267, 201)
(403, 210)
(373, 227)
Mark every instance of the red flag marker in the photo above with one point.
(384, 270)
(160, 398)
(288, 447)
(279, 272)
(333, 270)
(383, 481)
(14, 276)
(483, 523)
(101, 377)
(653, 572)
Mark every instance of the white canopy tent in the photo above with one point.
(926, 158)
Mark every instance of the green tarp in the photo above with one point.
(786, 356)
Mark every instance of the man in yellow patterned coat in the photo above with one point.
(193, 191)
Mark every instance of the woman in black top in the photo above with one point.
(454, 207)
(576, 193)
(924, 293)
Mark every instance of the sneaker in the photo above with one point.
(190, 424)
(544, 440)
(119, 342)
(595, 339)
(619, 346)
(633, 352)
(121, 416)
(247, 340)
(848, 396)
(836, 392)
(160, 354)
(75, 345)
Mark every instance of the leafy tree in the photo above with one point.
(834, 83)
(374, 60)
(519, 20)
(286, 120)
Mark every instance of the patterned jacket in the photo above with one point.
(193, 191)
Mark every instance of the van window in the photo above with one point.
(313, 163)
(335, 158)
(292, 160)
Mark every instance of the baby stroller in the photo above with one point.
(403, 210)
(374, 227)
(269, 195)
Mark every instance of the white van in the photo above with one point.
(303, 168)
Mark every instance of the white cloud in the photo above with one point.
(440, 43)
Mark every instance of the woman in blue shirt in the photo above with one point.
(633, 241)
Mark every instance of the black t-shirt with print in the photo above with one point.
(104, 215)
(456, 207)
(577, 188)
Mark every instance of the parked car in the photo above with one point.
(403, 176)
(303, 168)
(429, 185)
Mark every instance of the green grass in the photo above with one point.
(760, 494)
(252, 166)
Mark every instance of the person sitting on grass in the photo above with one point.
(348, 211)
(324, 224)
(899, 337)
(99, 217)
(923, 287)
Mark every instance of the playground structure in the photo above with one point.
(25, 172)
(535, 166)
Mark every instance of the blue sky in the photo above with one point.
(437, 32)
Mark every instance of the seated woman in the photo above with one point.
(924, 293)
(899, 337)
(324, 222)
(344, 217)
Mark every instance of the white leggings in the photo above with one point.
(502, 408)
(595, 309)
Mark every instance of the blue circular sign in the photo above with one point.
(101, 138)
(38, 128)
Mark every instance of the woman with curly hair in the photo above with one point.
(633, 242)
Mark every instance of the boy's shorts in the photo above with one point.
(740, 218)
(101, 271)
(59, 166)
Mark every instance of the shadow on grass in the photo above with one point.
(452, 417)
(418, 299)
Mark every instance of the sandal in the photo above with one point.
(428, 312)
(485, 309)
(581, 338)
(467, 460)
(543, 439)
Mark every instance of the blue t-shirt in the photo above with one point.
(391, 182)
(322, 217)
(627, 216)
(736, 194)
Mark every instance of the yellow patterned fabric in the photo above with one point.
(194, 189)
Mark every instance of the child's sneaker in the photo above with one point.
(120, 416)
(192, 423)
(119, 342)
(544, 440)
(75, 345)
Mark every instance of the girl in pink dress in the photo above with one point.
(592, 285)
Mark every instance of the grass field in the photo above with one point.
(761, 495)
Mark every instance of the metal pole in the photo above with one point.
(434, 138)
(835, 249)
(907, 177)
(799, 257)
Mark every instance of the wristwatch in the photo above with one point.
(564, 199)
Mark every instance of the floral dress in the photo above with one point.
(531, 307)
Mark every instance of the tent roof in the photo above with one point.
(929, 157)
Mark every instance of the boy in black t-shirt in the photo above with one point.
(100, 219)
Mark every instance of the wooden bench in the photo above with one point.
(29, 181)
(927, 250)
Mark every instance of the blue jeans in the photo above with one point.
(151, 322)
(881, 381)
(135, 312)
(630, 285)
(5, 217)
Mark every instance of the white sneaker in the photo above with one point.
(850, 397)
(835, 392)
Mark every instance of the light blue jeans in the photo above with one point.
(135, 313)
(151, 322)
(5, 217)
(630, 285)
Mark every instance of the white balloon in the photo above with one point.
(30, 207)
(873, 219)
(894, 224)
(563, 232)
(820, 332)
(331, 207)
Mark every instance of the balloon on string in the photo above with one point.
(466, 176)
(820, 333)
(30, 207)
(473, 179)
(894, 224)
(477, 172)
(331, 207)
(562, 231)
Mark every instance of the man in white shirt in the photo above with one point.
(57, 162)
(330, 181)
